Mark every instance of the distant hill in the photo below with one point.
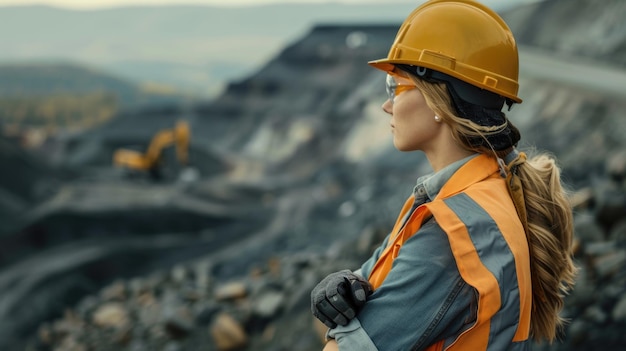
(62, 95)
(46, 79)
(573, 28)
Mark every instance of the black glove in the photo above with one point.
(339, 297)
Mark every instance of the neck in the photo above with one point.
(445, 151)
(438, 162)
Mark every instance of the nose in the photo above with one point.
(387, 106)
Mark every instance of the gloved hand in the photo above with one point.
(339, 297)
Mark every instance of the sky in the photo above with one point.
(92, 4)
(95, 4)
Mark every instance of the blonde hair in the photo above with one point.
(549, 215)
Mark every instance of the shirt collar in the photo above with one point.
(428, 186)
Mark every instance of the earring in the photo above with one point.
(437, 119)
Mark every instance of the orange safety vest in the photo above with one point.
(476, 193)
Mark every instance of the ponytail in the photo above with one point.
(549, 234)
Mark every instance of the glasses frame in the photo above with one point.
(394, 89)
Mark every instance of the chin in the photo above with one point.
(403, 147)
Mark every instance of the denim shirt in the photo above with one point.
(423, 298)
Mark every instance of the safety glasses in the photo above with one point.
(394, 89)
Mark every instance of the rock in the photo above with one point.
(137, 286)
(600, 248)
(609, 264)
(45, 334)
(587, 230)
(618, 233)
(87, 305)
(300, 297)
(70, 324)
(275, 268)
(145, 288)
(227, 333)
(595, 314)
(231, 291)
(269, 333)
(203, 276)
(114, 292)
(610, 204)
(584, 292)
(146, 299)
(138, 345)
(366, 240)
(204, 311)
(290, 272)
(179, 321)
(69, 343)
(578, 332)
(616, 165)
(614, 290)
(173, 346)
(179, 274)
(347, 209)
(268, 303)
(190, 292)
(111, 315)
(123, 336)
(149, 314)
(619, 311)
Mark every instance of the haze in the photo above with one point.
(94, 4)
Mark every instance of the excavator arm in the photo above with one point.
(149, 160)
(182, 135)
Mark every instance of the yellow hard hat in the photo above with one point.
(460, 38)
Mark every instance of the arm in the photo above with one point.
(422, 300)
(340, 295)
(366, 268)
(331, 346)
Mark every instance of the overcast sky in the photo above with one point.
(90, 4)
(110, 3)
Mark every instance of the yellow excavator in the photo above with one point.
(150, 160)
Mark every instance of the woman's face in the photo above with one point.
(413, 123)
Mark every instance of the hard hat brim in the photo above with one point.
(382, 64)
(387, 65)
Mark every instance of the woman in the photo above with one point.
(480, 256)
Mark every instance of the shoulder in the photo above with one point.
(429, 245)
(477, 202)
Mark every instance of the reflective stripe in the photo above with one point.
(474, 273)
(496, 256)
(396, 240)
(497, 204)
